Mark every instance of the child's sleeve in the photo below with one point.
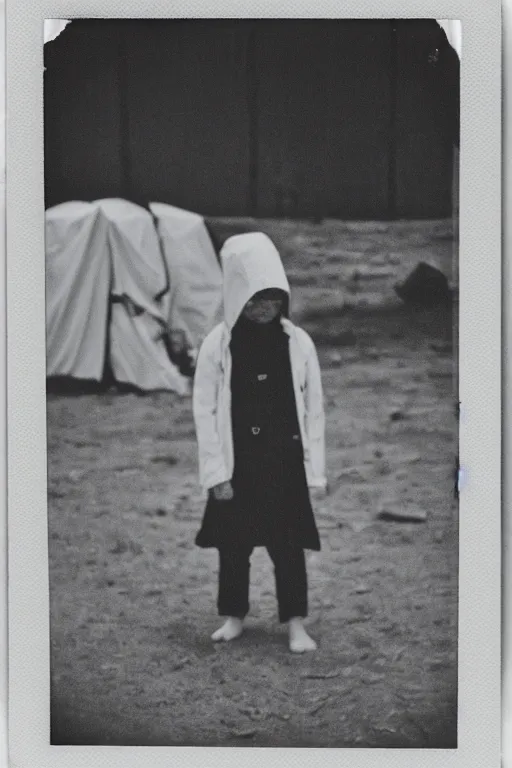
(315, 419)
(212, 468)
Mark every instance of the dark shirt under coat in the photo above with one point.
(271, 503)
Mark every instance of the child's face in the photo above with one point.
(264, 306)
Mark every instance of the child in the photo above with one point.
(259, 418)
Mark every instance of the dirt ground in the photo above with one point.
(133, 600)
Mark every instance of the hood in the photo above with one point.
(250, 263)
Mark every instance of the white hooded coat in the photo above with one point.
(251, 263)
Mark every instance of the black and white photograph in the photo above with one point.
(252, 400)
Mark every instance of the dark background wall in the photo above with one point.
(344, 119)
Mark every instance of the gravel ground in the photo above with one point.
(133, 600)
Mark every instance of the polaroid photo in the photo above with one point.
(254, 416)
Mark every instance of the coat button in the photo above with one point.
(255, 430)
(296, 437)
(262, 376)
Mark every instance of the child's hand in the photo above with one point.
(223, 491)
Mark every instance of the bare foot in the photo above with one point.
(300, 641)
(232, 628)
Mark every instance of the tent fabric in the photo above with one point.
(104, 262)
(138, 354)
(138, 266)
(194, 303)
(77, 290)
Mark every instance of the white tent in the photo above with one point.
(194, 303)
(105, 286)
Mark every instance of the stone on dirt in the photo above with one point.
(394, 512)
(244, 734)
(426, 286)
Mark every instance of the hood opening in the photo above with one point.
(283, 313)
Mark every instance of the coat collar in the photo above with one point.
(286, 324)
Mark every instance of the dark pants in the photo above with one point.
(290, 574)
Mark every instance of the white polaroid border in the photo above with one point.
(480, 384)
(507, 425)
